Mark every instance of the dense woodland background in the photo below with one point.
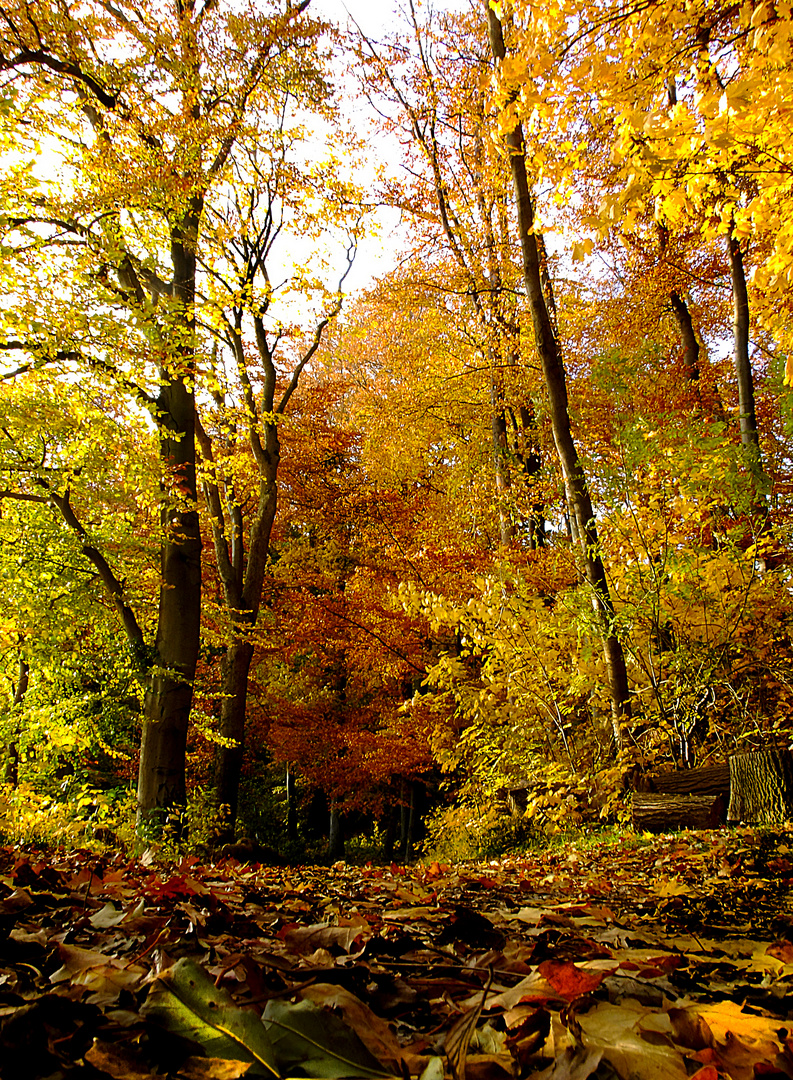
(517, 514)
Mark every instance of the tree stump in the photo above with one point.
(654, 812)
(761, 787)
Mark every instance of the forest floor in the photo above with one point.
(645, 959)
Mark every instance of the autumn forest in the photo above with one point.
(304, 562)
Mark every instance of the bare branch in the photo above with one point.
(318, 331)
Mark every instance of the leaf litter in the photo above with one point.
(651, 959)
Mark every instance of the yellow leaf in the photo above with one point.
(671, 887)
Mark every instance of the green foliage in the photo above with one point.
(78, 718)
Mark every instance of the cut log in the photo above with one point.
(713, 780)
(654, 812)
(761, 787)
(515, 799)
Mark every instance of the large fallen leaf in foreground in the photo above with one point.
(570, 981)
(618, 1031)
(373, 1032)
(740, 1040)
(185, 1001)
(317, 1043)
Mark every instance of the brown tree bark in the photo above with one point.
(747, 412)
(713, 780)
(662, 813)
(578, 498)
(761, 787)
(169, 695)
(688, 337)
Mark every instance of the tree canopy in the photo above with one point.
(514, 515)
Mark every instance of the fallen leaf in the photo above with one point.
(185, 1001)
(317, 1042)
(568, 980)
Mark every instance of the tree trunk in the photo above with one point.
(761, 787)
(389, 842)
(242, 577)
(714, 780)
(243, 600)
(169, 696)
(291, 807)
(663, 813)
(161, 776)
(11, 767)
(335, 835)
(578, 499)
(234, 669)
(501, 462)
(687, 337)
(750, 439)
(407, 814)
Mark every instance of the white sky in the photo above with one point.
(377, 255)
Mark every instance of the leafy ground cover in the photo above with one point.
(654, 958)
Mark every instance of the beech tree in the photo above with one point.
(259, 350)
(549, 349)
(140, 107)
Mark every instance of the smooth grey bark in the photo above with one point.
(578, 498)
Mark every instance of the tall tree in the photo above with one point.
(141, 106)
(261, 352)
(696, 100)
(549, 349)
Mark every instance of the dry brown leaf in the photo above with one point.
(200, 1068)
(616, 1030)
(122, 1062)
